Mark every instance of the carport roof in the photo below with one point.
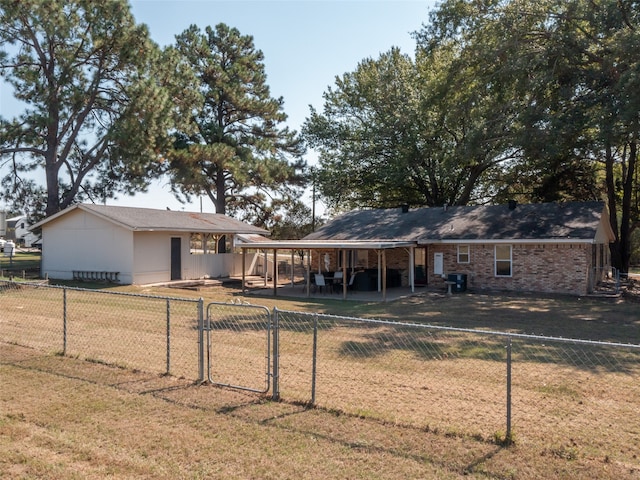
(149, 220)
(324, 244)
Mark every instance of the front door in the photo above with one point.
(176, 258)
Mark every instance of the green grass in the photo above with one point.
(21, 264)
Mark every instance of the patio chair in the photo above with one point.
(337, 281)
(351, 280)
(320, 284)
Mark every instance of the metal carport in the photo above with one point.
(308, 245)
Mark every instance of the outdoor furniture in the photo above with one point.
(351, 280)
(320, 283)
(367, 280)
(337, 281)
(449, 284)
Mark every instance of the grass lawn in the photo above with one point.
(21, 264)
(61, 417)
(64, 418)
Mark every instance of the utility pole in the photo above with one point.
(313, 199)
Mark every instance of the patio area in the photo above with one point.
(299, 291)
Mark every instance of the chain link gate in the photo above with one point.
(239, 346)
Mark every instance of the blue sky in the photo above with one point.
(306, 44)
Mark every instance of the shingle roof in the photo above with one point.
(147, 219)
(543, 221)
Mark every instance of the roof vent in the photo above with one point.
(513, 204)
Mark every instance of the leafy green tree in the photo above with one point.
(97, 107)
(238, 156)
(292, 224)
(502, 66)
(396, 131)
(570, 71)
(366, 120)
(593, 48)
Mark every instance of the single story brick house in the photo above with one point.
(547, 247)
(139, 245)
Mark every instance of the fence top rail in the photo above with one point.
(102, 292)
(522, 336)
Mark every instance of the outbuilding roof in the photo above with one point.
(535, 222)
(148, 219)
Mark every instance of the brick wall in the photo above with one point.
(548, 268)
(551, 268)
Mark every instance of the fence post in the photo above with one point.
(64, 321)
(168, 336)
(508, 439)
(315, 359)
(201, 340)
(276, 355)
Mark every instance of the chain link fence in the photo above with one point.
(239, 346)
(153, 334)
(554, 392)
(491, 385)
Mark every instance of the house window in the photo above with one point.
(503, 260)
(352, 259)
(463, 254)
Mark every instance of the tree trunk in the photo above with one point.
(614, 247)
(625, 220)
(221, 206)
(51, 172)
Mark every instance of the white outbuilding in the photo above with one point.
(139, 245)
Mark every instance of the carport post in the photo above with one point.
(384, 275)
(275, 272)
(244, 266)
(266, 267)
(293, 252)
(308, 285)
(412, 269)
(344, 273)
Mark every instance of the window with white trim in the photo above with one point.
(352, 259)
(503, 260)
(463, 254)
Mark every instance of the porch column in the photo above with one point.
(384, 275)
(266, 267)
(344, 273)
(292, 266)
(275, 272)
(308, 268)
(412, 268)
(379, 252)
(244, 262)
